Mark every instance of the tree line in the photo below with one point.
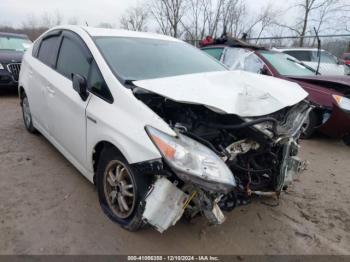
(192, 20)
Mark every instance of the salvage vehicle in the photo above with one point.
(329, 63)
(12, 47)
(161, 129)
(329, 94)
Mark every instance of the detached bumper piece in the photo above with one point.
(164, 205)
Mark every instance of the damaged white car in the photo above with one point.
(161, 128)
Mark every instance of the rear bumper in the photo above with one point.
(338, 125)
(7, 79)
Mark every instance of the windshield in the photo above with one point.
(139, 58)
(286, 65)
(14, 43)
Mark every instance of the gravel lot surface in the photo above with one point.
(47, 207)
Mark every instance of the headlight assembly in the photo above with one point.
(192, 161)
(1, 66)
(343, 102)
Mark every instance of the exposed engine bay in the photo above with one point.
(261, 154)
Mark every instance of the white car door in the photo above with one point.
(40, 70)
(67, 109)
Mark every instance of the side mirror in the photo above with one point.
(80, 85)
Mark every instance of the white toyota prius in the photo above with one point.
(162, 129)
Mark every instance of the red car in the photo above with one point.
(330, 95)
(346, 58)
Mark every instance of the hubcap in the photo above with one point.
(26, 112)
(119, 189)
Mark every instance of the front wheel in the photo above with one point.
(27, 116)
(120, 190)
(310, 125)
(346, 140)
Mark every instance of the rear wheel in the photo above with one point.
(27, 116)
(120, 190)
(310, 125)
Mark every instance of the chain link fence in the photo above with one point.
(335, 44)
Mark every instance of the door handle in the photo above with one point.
(50, 90)
(91, 119)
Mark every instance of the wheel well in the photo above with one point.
(21, 93)
(97, 154)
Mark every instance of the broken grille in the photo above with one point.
(14, 70)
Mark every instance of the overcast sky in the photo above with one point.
(13, 12)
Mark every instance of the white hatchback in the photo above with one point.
(160, 127)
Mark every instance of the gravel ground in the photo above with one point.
(47, 207)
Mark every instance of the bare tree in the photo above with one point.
(305, 22)
(73, 21)
(168, 15)
(51, 19)
(105, 25)
(135, 19)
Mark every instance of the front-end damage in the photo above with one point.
(217, 160)
(260, 154)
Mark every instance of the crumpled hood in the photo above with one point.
(233, 92)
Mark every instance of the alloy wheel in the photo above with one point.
(119, 189)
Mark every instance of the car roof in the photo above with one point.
(297, 49)
(107, 32)
(14, 35)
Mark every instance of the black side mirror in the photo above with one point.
(80, 85)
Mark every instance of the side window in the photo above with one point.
(214, 52)
(305, 56)
(97, 85)
(327, 58)
(72, 59)
(48, 50)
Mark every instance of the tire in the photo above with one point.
(27, 116)
(346, 140)
(310, 125)
(110, 197)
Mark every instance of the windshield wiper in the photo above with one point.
(301, 63)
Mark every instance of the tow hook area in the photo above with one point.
(164, 205)
(295, 167)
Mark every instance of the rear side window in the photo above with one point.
(72, 59)
(305, 56)
(48, 50)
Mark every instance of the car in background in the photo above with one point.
(12, 47)
(330, 95)
(329, 64)
(346, 58)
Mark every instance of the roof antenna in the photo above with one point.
(86, 23)
(318, 51)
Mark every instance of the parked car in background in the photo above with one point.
(330, 95)
(12, 47)
(346, 58)
(329, 64)
(143, 117)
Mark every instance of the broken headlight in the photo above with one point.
(192, 161)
